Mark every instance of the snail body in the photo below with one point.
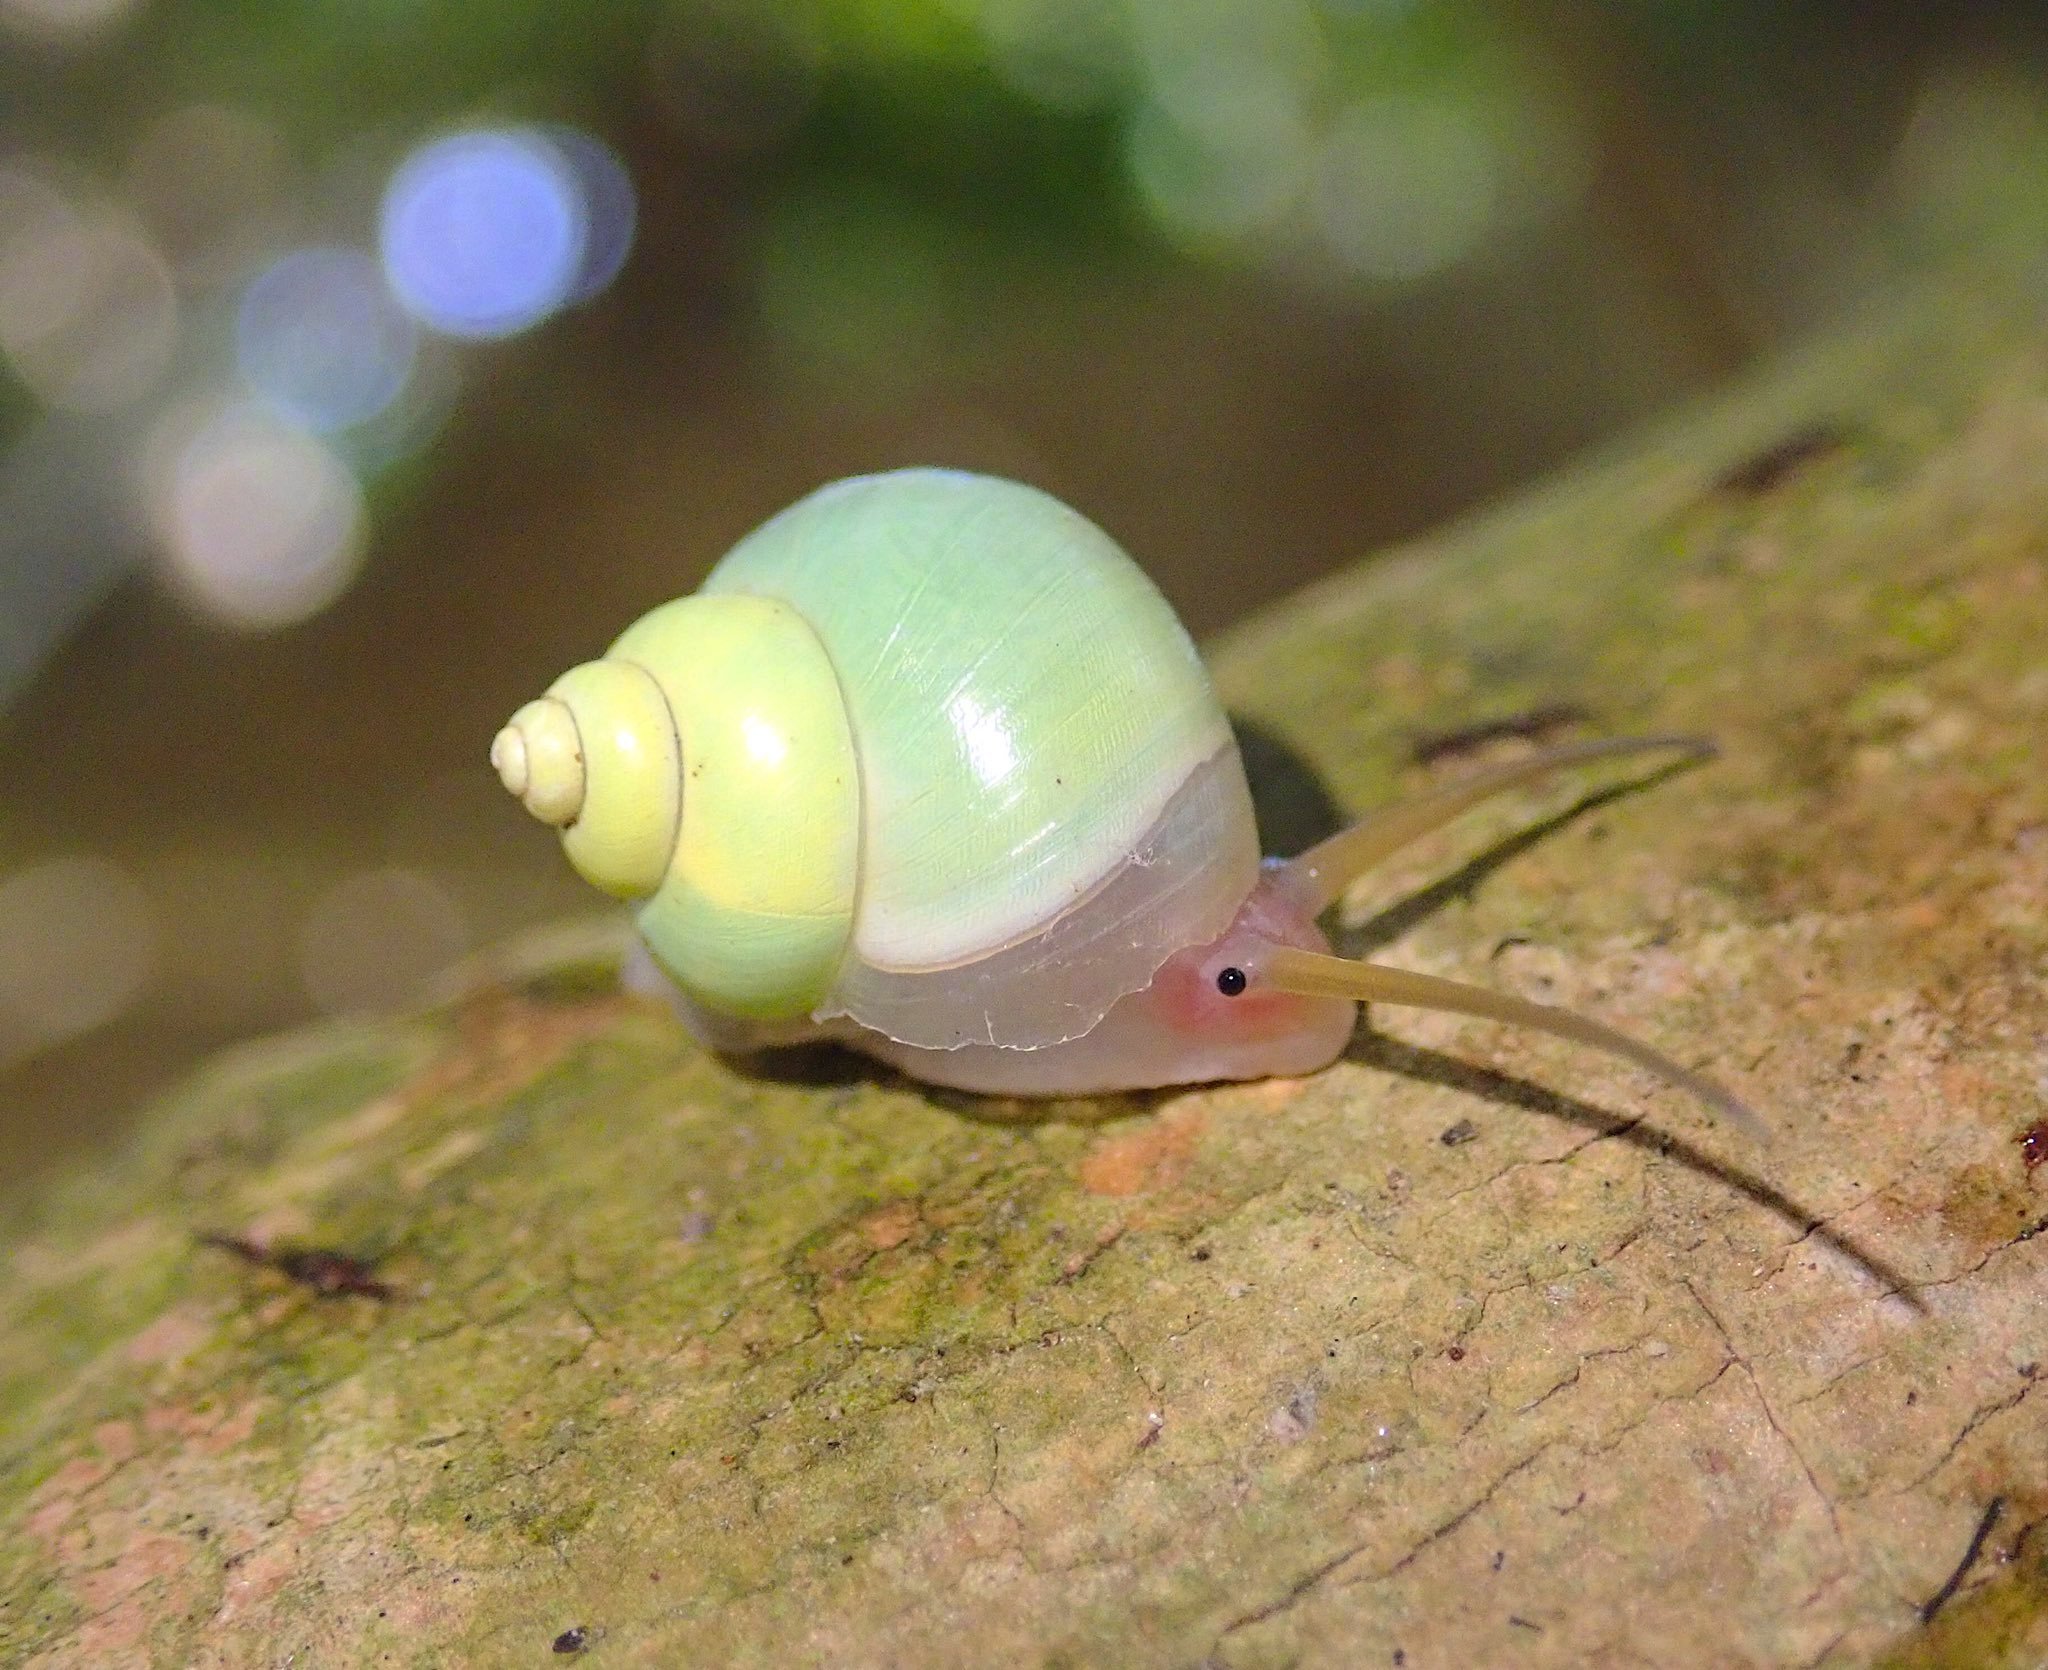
(929, 766)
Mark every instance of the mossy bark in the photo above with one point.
(1445, 1357)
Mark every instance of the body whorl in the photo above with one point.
(1045, 770)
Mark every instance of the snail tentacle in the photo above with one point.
(1319, 876)
(1317, 974)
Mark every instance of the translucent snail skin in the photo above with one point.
(928, 766)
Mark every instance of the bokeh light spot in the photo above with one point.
(39, 229)
(261, 522)
(376, 939)
(1197, 55)
(609, 209)
(1407, 186)
(411, 422)
(207, 180)
(318, 334)
(1232, 167)
(88, 315)
(78, 942)
(485, 233)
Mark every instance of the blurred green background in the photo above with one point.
(362, 365)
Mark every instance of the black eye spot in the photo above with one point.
(1230, 982)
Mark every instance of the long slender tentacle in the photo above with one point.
(1317, 974)
(1322, 873)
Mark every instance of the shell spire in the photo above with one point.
(539, 758)
(748, 901)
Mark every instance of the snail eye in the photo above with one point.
(1230, 982)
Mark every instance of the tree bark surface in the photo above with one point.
(1473, 1350)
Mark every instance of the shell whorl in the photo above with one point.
(705, 767)
(927, 750)
(598, 757)
(1030, 716)
(539, 758)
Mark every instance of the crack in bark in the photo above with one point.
(1982, 1413)
(1622, 1433)
(1316, 1575)
(1619, 1130)
(2019, 1239)
(1107, 1327)
(1835, 1379)
(1827, 1502)
(1821, 1657)
(1578, 1369)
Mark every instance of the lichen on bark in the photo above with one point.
(717, 1366)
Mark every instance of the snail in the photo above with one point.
(929, 767)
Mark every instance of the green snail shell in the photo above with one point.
(1049, 800)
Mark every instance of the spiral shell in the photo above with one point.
(926, 750)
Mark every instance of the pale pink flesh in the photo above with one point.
(1298, 1005)
(1181, 1029)
(1178, 1030)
